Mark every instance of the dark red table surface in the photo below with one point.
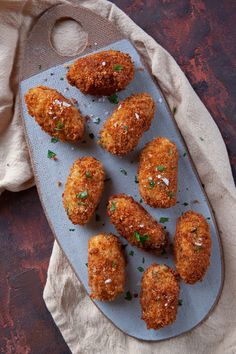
(201, 36)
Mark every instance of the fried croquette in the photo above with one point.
(135, 224)
(106, 267)
(158, 173)
(159, 296)
(55, 114)
(124, 128)
(192, 247)
(83, 189)
(103, 73)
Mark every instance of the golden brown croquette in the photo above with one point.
(124, 128)
(55, 114)
(103, 73)
(159, 296)
(134, 223)
(192, 247)
(158, 173)
(83, 189)
(106, 267)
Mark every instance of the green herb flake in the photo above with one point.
(208, 218)
(174, 110)
(163, 219)
(51, 155)
(185, 204)
(140, 269)
(143, 260)
(184, 154)
(91, 135)
(59, 126)
(54, 140)
(171, 194)
(71, 229)
(82, 195)
(141, 238)
(160, 168)
(118, 67)
(113, 264)
(201, 138)
(140, 201)
(198, 248)
(152, 184)
(123, 171)
(180, 302)
(126, 127)
(136, 179)
(131, 253)
(86, 264)
(88, 174)
(61, 78)
(113, 206)
(82, 203)
(97, 120)
(128, 296)
(170, 152)
(113, 99)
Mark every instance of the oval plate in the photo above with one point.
(197, 300)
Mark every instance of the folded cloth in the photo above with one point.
(84, 328)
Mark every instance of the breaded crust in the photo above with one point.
(192, 247)
(158, 173)
(135, 224)
(159, 296)
(106, 267)
(124, 128)
(102, 73)
(83, 189)
(55, 114)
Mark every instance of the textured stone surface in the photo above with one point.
(201, 36)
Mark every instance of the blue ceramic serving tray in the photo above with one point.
(197, 300)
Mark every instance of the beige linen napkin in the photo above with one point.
(84, 328)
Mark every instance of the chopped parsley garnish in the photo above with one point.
(123, 171)
(82, 195)
(198, 248)
(163, 219)
(152, 184)
(201, 138)
(51, 74)
(61, 78)
(118, 67)
(185, 204)
(209, 218)
(54, 140)
(136, 179)
(184, 154)
(113, 206)
(97, 217)
(131, 253)
(160, 168)
(71, 229)
(174, 110)
(171, 194)
(59, 126)
(180, 302)
(86, 264)
(113, 264)
(141, 238)
(82, 203)
(140, 269)
(113, 99)
(170, 152)
(97, 120)
(140, 201)
(88, 174)
(51, 154)
(126, 127)
(128, 296)
(91, 135)
(143, 260)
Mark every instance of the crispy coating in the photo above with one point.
(106, 267)
(55, 114)
(192, 247)
(158, 173)
(83, 189)
(124, 128)
(159, 296)
(135, 224)
(103, 73)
